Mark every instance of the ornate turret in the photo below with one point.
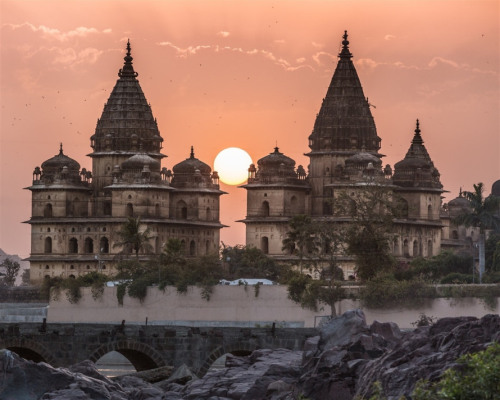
(60, 167)
(127, 123)
(191, 172)
(344, 122)
(417, 168)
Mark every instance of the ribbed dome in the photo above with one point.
(275, 166)
(275, 159)
(344, 122)
(138, 161)
(459, 201)
(417, 168)
(190, 165)
(56, 163)
(127, 122)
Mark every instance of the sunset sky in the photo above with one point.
(245, 74)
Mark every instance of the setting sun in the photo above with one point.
(232, 165)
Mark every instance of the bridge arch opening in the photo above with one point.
(27, 354)
(141, 356)
(114, 364)
(218, 357)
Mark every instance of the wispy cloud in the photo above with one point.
(184, 52)
(389, 37)
(223, 34)
(53, 33)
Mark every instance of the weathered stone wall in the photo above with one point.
(239, 306)
(20, 294)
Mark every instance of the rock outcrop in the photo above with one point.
(343, 362)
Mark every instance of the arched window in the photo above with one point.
(403, 208)
(48, 245)
(406, 250)
(454, 235)
(181, 211)
(192, 248)
(265, 209)
(157, 210)
(73, 246)
(107, 208)
(47, 211)
(104, 245)
(129, 211)
(71, 276)
(88, 246)
(294, 205)
(429, 212)
(429, 248)
(47, 267)
(209, 214)
(395, 249)
(415, 248)
(71, 267)
(264, 244)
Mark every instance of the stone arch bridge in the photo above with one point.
(145, 346)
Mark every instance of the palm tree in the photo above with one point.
(484, 215)
(131, 237)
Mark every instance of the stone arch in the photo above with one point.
(415, 249)
(47, 211)
(429, 248)
(140, 355)
(406, 249)
(48, 245)
(403, 208)
(294, 205)
(265, 209)
(429, 211)
(192, 248)
(73, 246)
(395, 247)
(235, 348)
(107, 208)
(181, 211)
(29, 350)
(104, 245)
(264, 244)
(88, 246)
(129, 211)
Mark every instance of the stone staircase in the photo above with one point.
(23, 312)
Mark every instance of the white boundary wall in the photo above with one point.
(237, 306)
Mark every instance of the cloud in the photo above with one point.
(317, 45)
(300, 60)
(184, 52)
(279, 41)
(53, 33)
(320, 54)
(389, 37)
(223, 34)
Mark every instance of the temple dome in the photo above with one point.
(56, 163)
(495, 188)
(191, 165)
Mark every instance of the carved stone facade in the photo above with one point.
(344, 157)
(76, 213)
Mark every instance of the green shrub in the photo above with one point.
(456, 277)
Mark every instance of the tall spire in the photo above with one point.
(128, 69)
(345, 53)
(60, 149)
(192, 152)
(344, 123)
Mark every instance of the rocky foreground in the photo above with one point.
(341, 363)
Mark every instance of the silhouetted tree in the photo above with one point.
(11, 271)
(133, 239)
(484, 215)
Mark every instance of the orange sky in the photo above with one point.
(246, 74)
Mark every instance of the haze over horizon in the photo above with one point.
(245, 74)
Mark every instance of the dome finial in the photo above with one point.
(128, 69)
(417, 138)
(345, 53)
(60, 149)
(192, 152)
